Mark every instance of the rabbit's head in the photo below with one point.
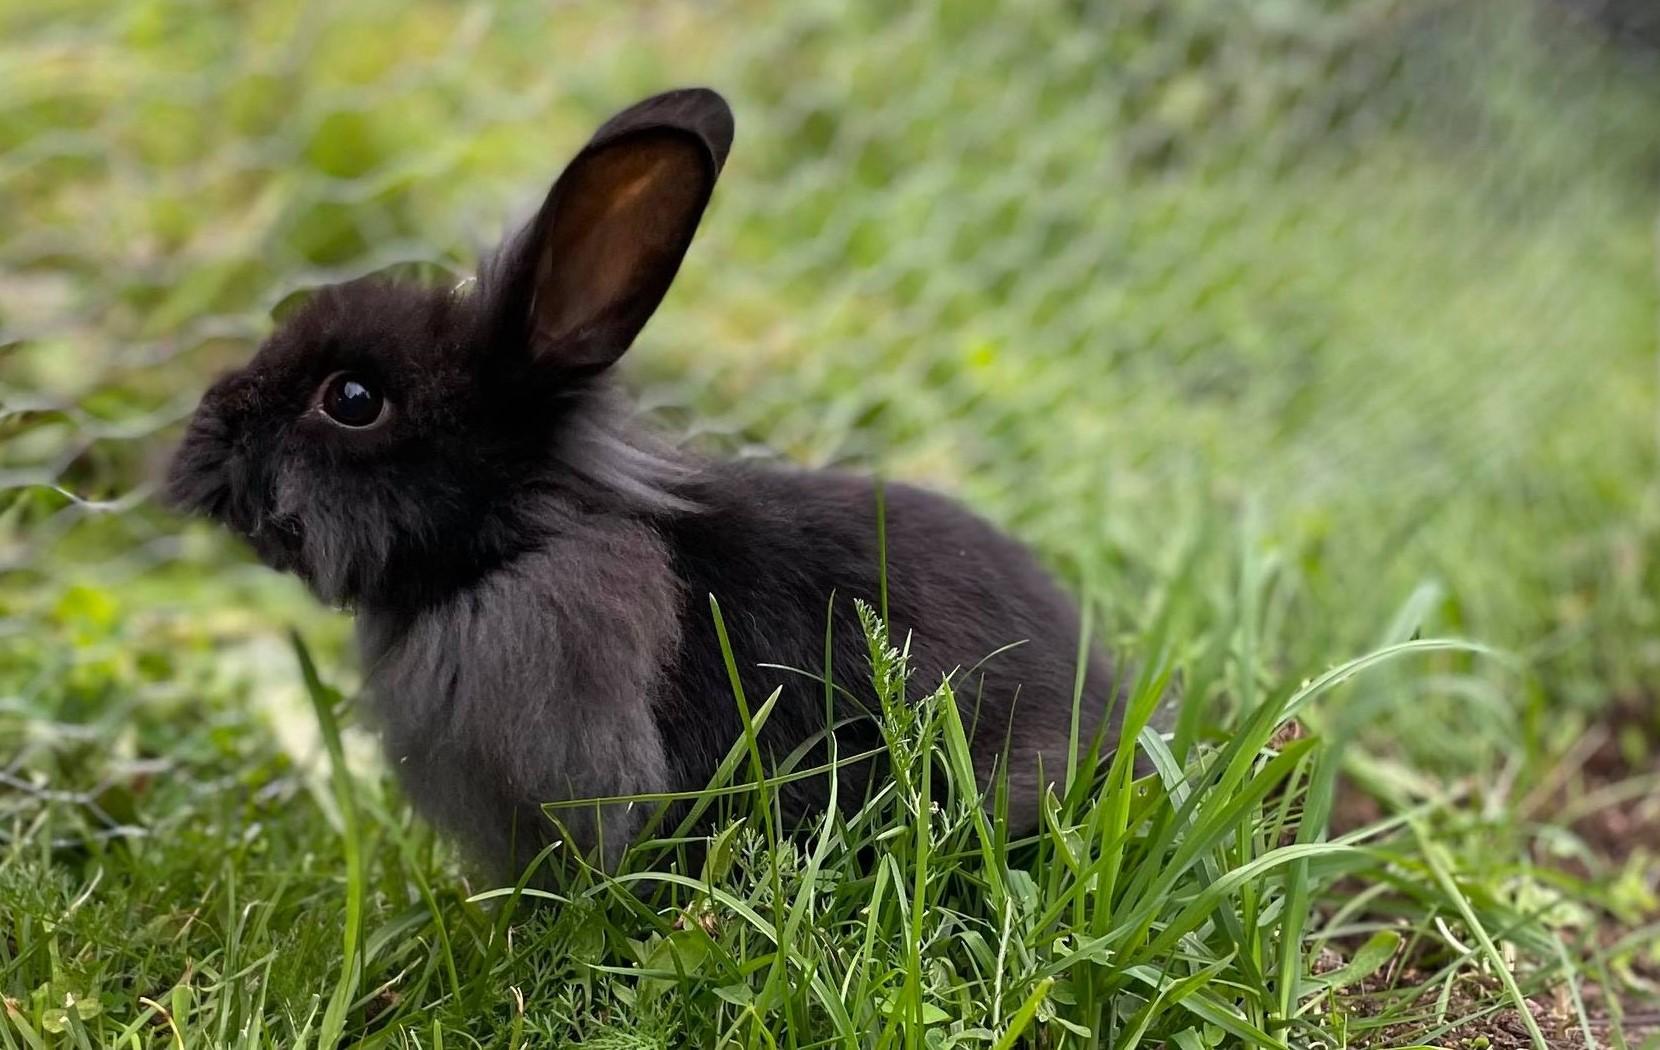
(389, 439)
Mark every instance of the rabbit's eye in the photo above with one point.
(352, 402)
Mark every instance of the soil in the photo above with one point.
(1623, 766)
(1608, 795)
(1505, 1030)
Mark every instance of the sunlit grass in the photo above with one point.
(1290, 339)
(1203, 902)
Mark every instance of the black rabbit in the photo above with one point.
(531, 570)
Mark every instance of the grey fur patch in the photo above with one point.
(535, 686)
(606, 444)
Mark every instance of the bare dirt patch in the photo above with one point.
(1615, 804)
(1606, 793)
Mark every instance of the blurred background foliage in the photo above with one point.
(1381, 270)
(1377, 277)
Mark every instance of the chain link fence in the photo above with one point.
(1380, 271)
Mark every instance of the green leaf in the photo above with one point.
(931, 1014)
(1022, 1018)
(1372, 956)
(721, 852)
(737, 994)
(681, 954)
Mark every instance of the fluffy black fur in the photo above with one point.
(531, 570)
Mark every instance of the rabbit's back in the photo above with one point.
(774, 545)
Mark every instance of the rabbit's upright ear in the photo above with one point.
(601, 253)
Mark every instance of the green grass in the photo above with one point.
(1294, 338)
(1184, 907)
(1146, 910)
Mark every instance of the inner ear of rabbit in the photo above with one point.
(616, 227)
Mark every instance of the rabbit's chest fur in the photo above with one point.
(535, 685)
